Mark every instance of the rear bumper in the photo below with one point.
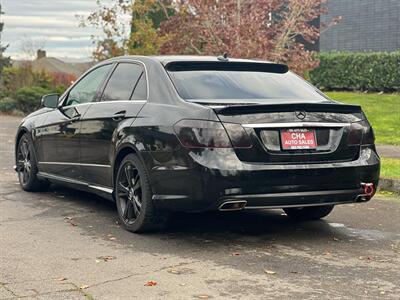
(294, 199)
(212, 178)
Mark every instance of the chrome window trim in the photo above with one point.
(74, 105)
(62, 97)
(72, 164)
(116, 101)
(295, 125)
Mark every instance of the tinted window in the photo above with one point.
(140, 92)
(221, 84)
(122, 82)
(85, 90)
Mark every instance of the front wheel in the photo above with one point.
(308, 213)
(134, 197)
(27, 166)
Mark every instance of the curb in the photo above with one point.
(390, 185)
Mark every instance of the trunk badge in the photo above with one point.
(300, 115)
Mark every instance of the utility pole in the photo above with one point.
(238, 12)
(238, 5)
(1, 26)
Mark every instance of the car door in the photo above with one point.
(123, 96)
(58, 136)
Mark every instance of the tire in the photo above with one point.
(308, 213)
(133, 198)
(27, 166)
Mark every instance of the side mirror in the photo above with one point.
(50, 100)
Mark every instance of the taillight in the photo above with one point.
(361, 133)
(355, 134)
(202, 134)
(238, 135)
(368, 135)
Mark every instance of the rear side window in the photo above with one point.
(123, 82)
(140, 92)
(246, 82)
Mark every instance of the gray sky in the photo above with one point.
(48, 23)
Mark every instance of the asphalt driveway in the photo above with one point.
(64, 244)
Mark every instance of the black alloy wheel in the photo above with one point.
(133, 197)
(27, 166)
(129, 192)
(24, 165)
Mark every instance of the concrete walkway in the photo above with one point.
(389, 151)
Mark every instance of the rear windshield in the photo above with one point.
(242, 84)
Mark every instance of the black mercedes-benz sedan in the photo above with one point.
(186, 133)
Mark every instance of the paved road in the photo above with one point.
(63, 244)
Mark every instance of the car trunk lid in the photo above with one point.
(325, 128)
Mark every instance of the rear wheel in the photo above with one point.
(27, 166)
(134, 197)
(308, 213)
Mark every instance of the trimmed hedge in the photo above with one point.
(7, 104)
(28, 98)
(375, 71)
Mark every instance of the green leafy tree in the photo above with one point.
(139, 36)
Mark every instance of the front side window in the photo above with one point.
(85, 90)
(244, 82)
(123, 82)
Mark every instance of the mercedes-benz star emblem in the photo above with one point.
(300, 114)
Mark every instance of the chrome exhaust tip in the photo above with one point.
(232, 205)
(368, 192)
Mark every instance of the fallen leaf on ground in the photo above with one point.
(61, 279)
(82, 287)
(112, 238)
(203, 296)
(106, 257)
(73, 224)
(173, 271)
(336, 239)
(235, 254)
(269, 272)
(150, 283)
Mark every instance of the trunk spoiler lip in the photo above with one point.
(283, 107)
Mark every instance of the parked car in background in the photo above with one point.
(188, 133)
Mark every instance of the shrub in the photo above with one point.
(7, 104)
(375, 71)
(15, 78)
(28, 98)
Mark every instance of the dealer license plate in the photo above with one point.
(293, 139)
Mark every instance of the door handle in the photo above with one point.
(119, 115)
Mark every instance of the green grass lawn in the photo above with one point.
(390, 168)
(383, 112)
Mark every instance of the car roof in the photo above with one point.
(165, 59)
(178, 58)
